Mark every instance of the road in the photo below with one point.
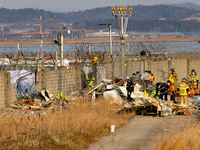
(141, 132)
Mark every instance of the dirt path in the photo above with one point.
(141, 132)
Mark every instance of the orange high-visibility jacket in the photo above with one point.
(171, 89)
(151, 78)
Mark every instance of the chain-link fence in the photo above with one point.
(97, 64)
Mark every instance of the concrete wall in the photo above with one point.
(160, 69)
(2, 90)
(66, 79)
(7, 91)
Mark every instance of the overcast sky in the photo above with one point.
(76, 5)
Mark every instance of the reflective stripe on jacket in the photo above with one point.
(87, 80)
(193, 79)
(183, 89)
(92, 81)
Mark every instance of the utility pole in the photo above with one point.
(122, 31)
(83, 37)
(41, 44)
(61, 47)
(56, 64)
(110, 39)
(51, 29)
(60, 43)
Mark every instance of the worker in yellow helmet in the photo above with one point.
(193, 82)
(193, 79)
(183, 91)
(173, 78)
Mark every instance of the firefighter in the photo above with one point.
(173, 78)
(183, 91)
(90, 80)
(162, 88)
(171, 90)
(129, 88)
(193, 80)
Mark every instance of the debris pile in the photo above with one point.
(113, 91)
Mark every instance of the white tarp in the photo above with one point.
(65, 62)
(4, 61)
(136, 94)
(23, 80)
(113, 96)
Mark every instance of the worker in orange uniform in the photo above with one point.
(171, 91)
(173, 78)
(183, 91)
(193, 82)
(151, 77)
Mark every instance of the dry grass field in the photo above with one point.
(185, 139)
(75, 128)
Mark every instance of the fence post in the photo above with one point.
(132, 69)
(112, 67)
(142, 66)
(188, 67)
(169, 67)
(7, 88)
(38, 79)
(56, 61)
(11, 67)
(38, 59)
(79, 74)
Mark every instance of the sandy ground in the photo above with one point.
(106, 40)
(142, 131)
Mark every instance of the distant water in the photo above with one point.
(70, 49)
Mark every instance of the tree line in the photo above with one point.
(143, 18)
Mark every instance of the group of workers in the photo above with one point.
(147, 78)
(163, 89)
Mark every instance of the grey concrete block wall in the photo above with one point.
(66, 79)
(13, 93)
(6, 90)
(2, 90)
(180, 66)
(136, 66)
(160, 69)
(194, 64)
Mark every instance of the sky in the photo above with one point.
(76, 5)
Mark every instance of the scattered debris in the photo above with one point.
(114, 91)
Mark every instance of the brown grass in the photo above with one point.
(187, 139)
(75, 128)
